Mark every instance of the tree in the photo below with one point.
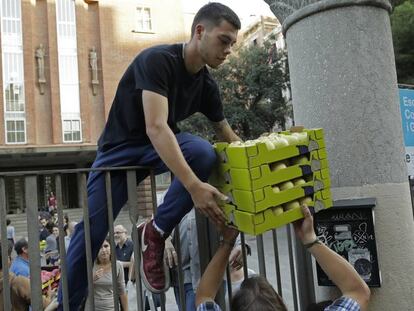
(402, 23)
(251, 84)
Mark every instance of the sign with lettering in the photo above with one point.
(348, 229)
(407, 117)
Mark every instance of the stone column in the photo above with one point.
(343, 79)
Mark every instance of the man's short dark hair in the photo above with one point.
(214, 13)
(49, 226)
(8, 221)
(19, 245)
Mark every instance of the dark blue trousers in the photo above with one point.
(200, 156)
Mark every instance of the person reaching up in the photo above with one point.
(257, 294)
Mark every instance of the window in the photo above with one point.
(15, 192)
(15, 131)
(71, 131)
(68, 71)
(144, 23)
(12, 59)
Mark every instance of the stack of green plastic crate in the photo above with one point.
(266, 184)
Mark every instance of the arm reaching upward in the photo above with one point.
(213, 275)
(337, 268)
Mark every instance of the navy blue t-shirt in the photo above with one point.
(124, 253)
(159, 69)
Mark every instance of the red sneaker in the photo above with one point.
(154, 270)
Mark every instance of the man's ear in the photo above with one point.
(199, 30)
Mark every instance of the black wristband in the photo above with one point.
(309, 245)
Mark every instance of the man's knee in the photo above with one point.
(202, 155)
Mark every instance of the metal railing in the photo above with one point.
(298, 263)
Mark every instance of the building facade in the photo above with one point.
(261, 30)
(61, 61)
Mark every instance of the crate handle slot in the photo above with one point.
(316, 165)
(318, 185)
(313, 145)
(223, 156)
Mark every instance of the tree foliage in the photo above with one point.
(402, 22)
(251, 84)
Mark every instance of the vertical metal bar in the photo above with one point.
(163, 301)
(133, 216)
(229, 287)
(204, 251)
(4, 249)
(62, 249)
(177, 240)
(111, 238)
(33, 234)
(88, 244)
(292, 267)
(306, 286)
(153, 191)
(154, 208)
(277, 263)
(244, 254)
(137, 264)
(132, 202)
(151, 301)
(214, 244)
(260, 255)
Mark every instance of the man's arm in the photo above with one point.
(224, 131)
(131, 271)
(335, 266)
(213, 275)
(165, 143)
(123, 298)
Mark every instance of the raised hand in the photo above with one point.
(304, 227)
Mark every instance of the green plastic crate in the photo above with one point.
(263, 198)
(258, 154)
(261, 176)
(258, 223)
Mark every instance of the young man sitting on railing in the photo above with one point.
(163, 85)
(257, 294)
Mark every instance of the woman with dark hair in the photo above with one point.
(257, 294)
(102, 277)
(65, 224)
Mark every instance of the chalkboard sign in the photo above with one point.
(348, 229)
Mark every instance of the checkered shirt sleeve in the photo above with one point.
(209, 306)
(343, 304)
